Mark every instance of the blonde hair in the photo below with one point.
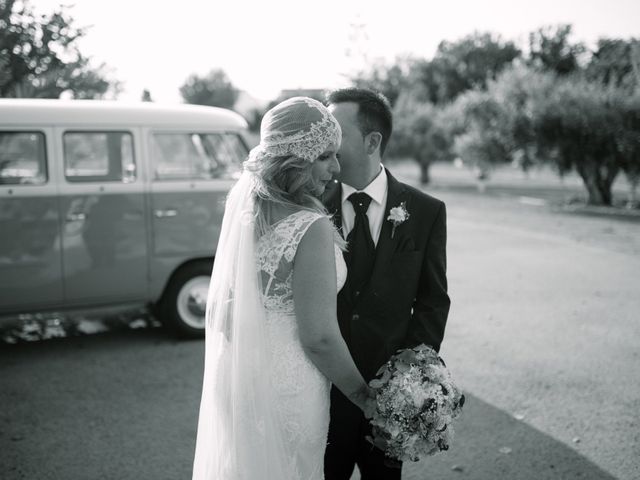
(280, 181)
(284, 181)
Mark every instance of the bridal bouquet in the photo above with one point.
(416, 401)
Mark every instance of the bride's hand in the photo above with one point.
(365, 399)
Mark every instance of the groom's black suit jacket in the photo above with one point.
(405, 302)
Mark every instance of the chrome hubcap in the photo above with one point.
(192, 301)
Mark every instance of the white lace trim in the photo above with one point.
(306, 144)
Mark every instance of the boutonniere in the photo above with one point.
(398, 215)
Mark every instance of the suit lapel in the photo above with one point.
(396, 194)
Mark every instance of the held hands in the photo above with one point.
(368, 406)
(365, 399)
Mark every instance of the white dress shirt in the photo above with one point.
(377, 190)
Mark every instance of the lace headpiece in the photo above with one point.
(299, 126)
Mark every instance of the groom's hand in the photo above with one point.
(365, 400)
(392, 462)
(370, 403)
(381, 444)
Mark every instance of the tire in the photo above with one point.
(182, 308)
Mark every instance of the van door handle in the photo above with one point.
(170, 212)
(74, 217)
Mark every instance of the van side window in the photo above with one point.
(192, 156)
(23, 159)
(99, 157)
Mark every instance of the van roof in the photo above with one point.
(113, 113)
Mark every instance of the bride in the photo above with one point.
(273, 344)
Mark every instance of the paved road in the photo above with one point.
(543, 333)
(543, 338)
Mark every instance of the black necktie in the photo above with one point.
(361, 247)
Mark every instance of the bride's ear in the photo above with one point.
(372, 142)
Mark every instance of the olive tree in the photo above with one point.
(423, 132)
(214, 89)
(577, 127)
(628, 143)
(551, 49)
(482, 144)
(462, 65)
(40, 57)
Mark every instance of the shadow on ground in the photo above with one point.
(492, 445)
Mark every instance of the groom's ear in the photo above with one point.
(372, 142)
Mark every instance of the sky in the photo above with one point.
(265, 46)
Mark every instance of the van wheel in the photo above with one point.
(183, 305)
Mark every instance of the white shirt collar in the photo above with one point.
(376, 189)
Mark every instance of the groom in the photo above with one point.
(396, 290)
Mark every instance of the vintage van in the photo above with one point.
(108, 205)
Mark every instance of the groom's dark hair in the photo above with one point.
(374, 111)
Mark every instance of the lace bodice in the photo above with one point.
(275, 252)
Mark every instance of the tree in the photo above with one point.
(482, 143)
(215, 90)
(146, 96)
(254, 119)
(550, 48)
(39, 56)
(423, 132)
(533, 116)
(462, 65)
(517, 91)
(390, 79)
(628, 143)
(635, 61)
(577, 127)
(612, 63)
(493, 126)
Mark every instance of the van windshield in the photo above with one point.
(198, 155)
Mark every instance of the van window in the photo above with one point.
(197, 156)
(23, 159)
(99, 157)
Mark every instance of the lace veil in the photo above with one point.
(300, 126)
(238, 434)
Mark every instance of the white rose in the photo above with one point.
(397, 214)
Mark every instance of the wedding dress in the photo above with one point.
(265, 406)
(302, 391)
(264, 411)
